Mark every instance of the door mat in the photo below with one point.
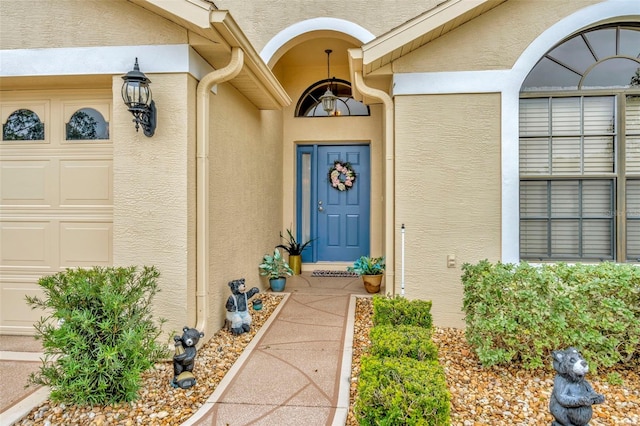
(324, 273)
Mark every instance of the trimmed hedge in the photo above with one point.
(523, 312)
(401, 391)
(403, 340)
(398, 311)
(401, 381)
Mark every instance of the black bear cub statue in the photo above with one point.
(572, 395)
(237, 306)
(184, 358)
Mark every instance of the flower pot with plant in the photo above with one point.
(294, 248)
(276, 269)
(371, 269)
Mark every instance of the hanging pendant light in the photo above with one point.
(328, 99)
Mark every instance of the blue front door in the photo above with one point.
(339, 219)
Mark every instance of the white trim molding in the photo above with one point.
(101, 60)
(272, 48)
(436, 83)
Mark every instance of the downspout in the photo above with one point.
(389, 187)
(203, 92)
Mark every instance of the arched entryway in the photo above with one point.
(344, 224)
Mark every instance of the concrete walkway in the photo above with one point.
(295, 371)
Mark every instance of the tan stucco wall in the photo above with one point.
(73, 23)
(261, 20)
(492, 41)
(448, 193)
(246, 193)
(154, 197)
(154, 217)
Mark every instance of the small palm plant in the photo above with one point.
(292, 246)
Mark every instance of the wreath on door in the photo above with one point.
(342, 176)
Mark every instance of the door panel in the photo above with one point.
(342, 217)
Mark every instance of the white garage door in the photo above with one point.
(56, 193)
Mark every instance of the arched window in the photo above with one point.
(309, 104)
(23, 125)
(87, 124)
(580, 149)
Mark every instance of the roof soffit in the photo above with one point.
(212, 34)
(419, 31)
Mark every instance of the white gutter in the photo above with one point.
(203, 90)
(389, 187)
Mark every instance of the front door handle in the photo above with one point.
(320, 208)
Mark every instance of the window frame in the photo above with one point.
(310, 101)
(619, 176)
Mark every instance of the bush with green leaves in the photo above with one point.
(403, 340)
(99, 335)
(401, 391)
(401, 381)
(521, 312)
(399, 310)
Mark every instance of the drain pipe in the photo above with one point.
(203, 92)
(389, 187)
(402, 265)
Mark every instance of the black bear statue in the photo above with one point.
(572, 395)
(237, 307)
(184, 358)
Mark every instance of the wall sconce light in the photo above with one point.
(328, 99)
(136, 95)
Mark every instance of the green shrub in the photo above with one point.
(403, 340)
(399, 310)
(99, 336)
(523, 312)
(401, 391)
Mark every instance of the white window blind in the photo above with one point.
(566, 204)
(566, 218)
(567, 136)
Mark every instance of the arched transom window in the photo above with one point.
(580, 149)
(309, 104)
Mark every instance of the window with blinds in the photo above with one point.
(567, 173)
(580, 149)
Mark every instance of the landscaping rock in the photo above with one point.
(505, 396)
(159, 404)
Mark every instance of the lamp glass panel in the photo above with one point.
(135, 94)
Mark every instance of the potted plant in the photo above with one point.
(294, 248)
(276, 270)
(371, 269)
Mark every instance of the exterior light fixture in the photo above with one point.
(328, 99)
(136, 95)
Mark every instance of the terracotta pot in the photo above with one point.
(295, 263)
(372, 283)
